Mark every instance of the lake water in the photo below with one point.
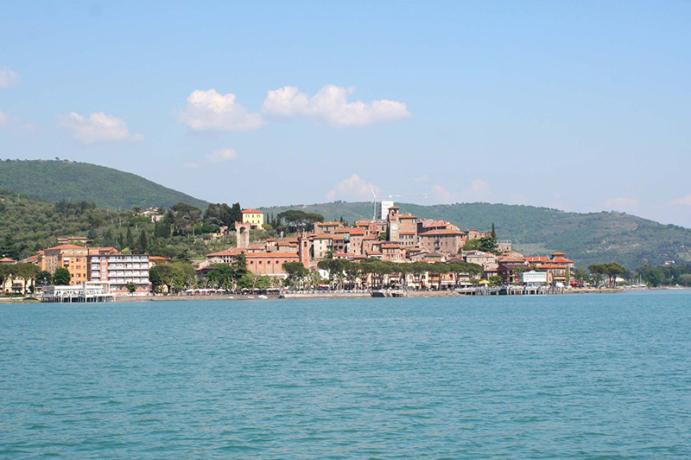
(579, 376)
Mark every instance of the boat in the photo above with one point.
(388, 293)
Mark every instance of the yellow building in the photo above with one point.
(254, 217)
(69, 256)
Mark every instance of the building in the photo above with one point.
(327, 227)
(254, 217)
(487, 260)
(119, 270)
(446, 241)
(559, 269)
(383, 209)
(69, 256)
(270, 263)
(394, 223)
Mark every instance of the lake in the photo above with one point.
(578, 376)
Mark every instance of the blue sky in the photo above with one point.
(582, 106)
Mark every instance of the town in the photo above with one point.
(391, 254)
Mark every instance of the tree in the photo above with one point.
(235, 213)
(222, 276)
(176, 276)
(44, 278)
(297, 220)
(143, 242)
(488, 244)
(296, 273)
(61, 277)
(129, 239)
(131, 287)
(495, 280)
(610, 270)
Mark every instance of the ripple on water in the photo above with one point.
(565, 376)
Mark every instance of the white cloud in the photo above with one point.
(211, 111)
(353, 188)
(621, 203)
(442, 195)
(221, 155)
(97, 127)
(8, 78)
(331, 104)
(683, 201)
(479, 186)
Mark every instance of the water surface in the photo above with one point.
(589, 376)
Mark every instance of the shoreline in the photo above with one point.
(318, 295)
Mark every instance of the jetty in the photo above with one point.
(81, 293)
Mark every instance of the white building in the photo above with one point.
(383, 209)
(120, 270)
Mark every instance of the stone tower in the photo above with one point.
(394, 223)
(304, 249)
(242, 235)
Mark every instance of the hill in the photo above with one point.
(28, 224)
(586, 237)
(57, 180)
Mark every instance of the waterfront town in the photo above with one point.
(392, 251)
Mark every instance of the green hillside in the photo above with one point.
(27, 224)
(587, 237)
(57, 180)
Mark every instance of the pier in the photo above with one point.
(82, 293)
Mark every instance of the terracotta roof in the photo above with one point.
(391, 246)
(66, 246)
(31, 259)
(549, 266)
(321, 236)
(271, 255)
(103, 250)
(477, 254)
(7, 260)
(537, 258)
(252, 211)
(329, 223)
(350, 230)
(562, 260)
(511, 258)
(226, 252)
(407, 233)
(407, 216)
(441, 232)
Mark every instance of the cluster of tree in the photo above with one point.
(27, 225)
(485, 244)
(178, 276)
(666, 275)
(221, 214)
(76, 209)
(295, 220)
(227, 276)
(345, 273)
(610, 271)
(172, 277)
(29, 273)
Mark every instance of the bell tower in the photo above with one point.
(394, 223)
